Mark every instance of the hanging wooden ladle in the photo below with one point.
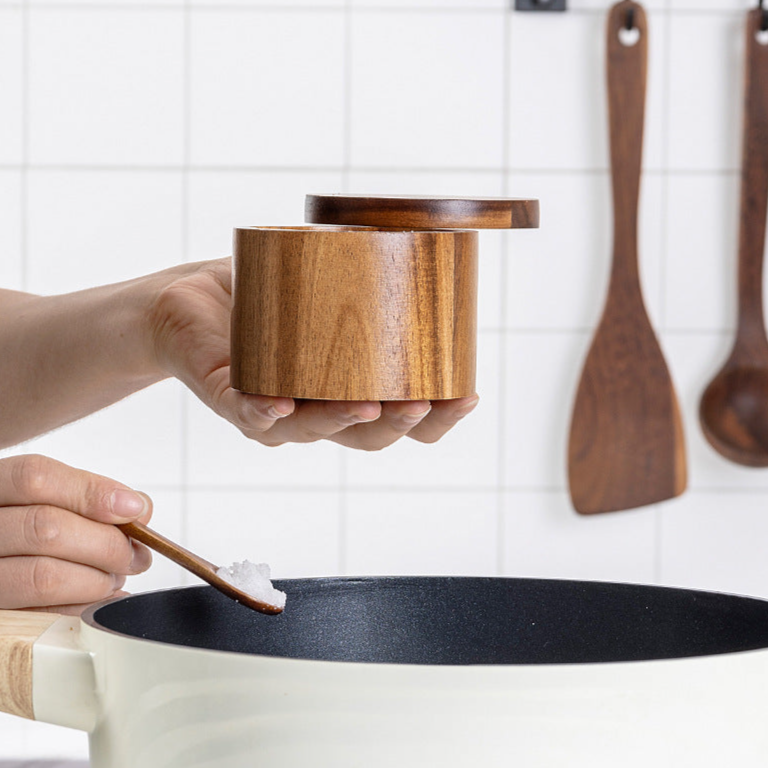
(626, 444)
(734, 407)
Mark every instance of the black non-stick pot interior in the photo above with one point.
(451, 620)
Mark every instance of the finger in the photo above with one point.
(254, 413)
(444, 415)
(27, 582)
(314, 420)
(34, 479)
(396, 420)
(43, 530)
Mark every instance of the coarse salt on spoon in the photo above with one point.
(244, 582)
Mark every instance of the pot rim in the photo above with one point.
(89, 618)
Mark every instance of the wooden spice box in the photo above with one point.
(350, 309)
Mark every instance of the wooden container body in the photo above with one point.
(354, 313)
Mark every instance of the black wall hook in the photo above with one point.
(539, 5)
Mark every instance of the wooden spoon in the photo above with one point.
(626, 439)
(734, 407)
(194, 564)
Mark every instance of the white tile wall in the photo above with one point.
(99, 220)
(11, 264)
(108, 92)
(297, 532)
(543, 537)
(220, 201)
(701, 243)
(705, 57)
(134, 135)
(420, 96)
(241, 113)
(12, 67)
(427, 533)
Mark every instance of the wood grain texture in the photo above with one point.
(626, 440)
(175, 552)
(18, 632)
(354, 313)
(422, 212)
(733, 411)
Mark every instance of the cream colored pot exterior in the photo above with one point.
(151, 705)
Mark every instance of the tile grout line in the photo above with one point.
(506, 126)
(343, 492)
(24, 177)
(24, 205)
(273, 7)
(343, 499)
(664, 173)
(391, 170)
(346, 168)
(185, 224)
(663, 267)
(425, 489)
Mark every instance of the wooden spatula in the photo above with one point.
(626, 444)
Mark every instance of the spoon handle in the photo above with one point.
(754, 186)
(183, 557)
(626, 69)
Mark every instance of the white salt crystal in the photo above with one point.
(253, 578)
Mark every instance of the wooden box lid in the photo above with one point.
(422, 212)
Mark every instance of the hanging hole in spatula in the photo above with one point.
(629, 34)
(762, 34)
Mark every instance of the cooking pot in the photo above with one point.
(403, 671)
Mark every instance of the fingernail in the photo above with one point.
(415, 418)
(467, 409)
(273, 413)
(118, 582)
(356, 418)
(358, 414)
(127, 505)
(142, 559)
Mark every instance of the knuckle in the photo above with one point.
(42, 527)
(30, 474)
(94, 497)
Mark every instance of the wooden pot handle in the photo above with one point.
(19, 630)
(45, 673)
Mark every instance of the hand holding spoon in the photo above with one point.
(734, 407)
(194, 564)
